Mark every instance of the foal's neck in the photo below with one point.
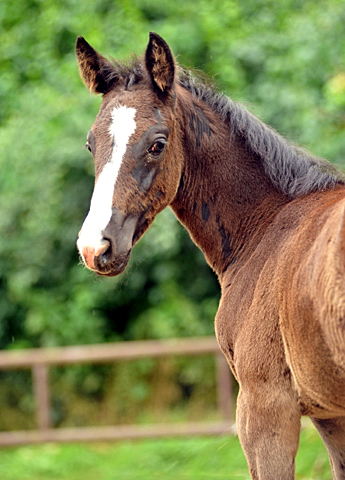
(225, 199)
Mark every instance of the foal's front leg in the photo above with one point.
(332, 432)
(268, 426)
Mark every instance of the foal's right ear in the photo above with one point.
(160, 63)
(97, 72)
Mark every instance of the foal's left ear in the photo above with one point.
(160, 63)
(97, 72)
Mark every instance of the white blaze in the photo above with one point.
(121, 128)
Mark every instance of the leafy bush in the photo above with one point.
(285, 58)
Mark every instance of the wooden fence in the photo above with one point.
(39, 360)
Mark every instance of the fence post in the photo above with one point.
(41, 392)
(224, 388)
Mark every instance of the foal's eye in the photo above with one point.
(157, 148)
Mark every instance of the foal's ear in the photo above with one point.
(97, 72)
(160, 63)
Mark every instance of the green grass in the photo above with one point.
(198, 458)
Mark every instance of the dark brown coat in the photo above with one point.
(268, 217)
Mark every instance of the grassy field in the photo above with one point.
(198, 458)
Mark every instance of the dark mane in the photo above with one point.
(130, 71)
(291, 169)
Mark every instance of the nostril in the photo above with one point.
(103, 253)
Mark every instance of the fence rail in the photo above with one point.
(39, 360)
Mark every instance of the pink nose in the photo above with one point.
(90, 254)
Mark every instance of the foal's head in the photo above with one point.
(137, 168)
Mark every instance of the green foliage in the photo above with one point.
(286, 58)
(161, 390)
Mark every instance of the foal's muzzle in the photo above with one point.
(110, 257)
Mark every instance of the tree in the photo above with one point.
(286, 58)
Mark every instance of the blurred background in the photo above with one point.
(284, 60)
